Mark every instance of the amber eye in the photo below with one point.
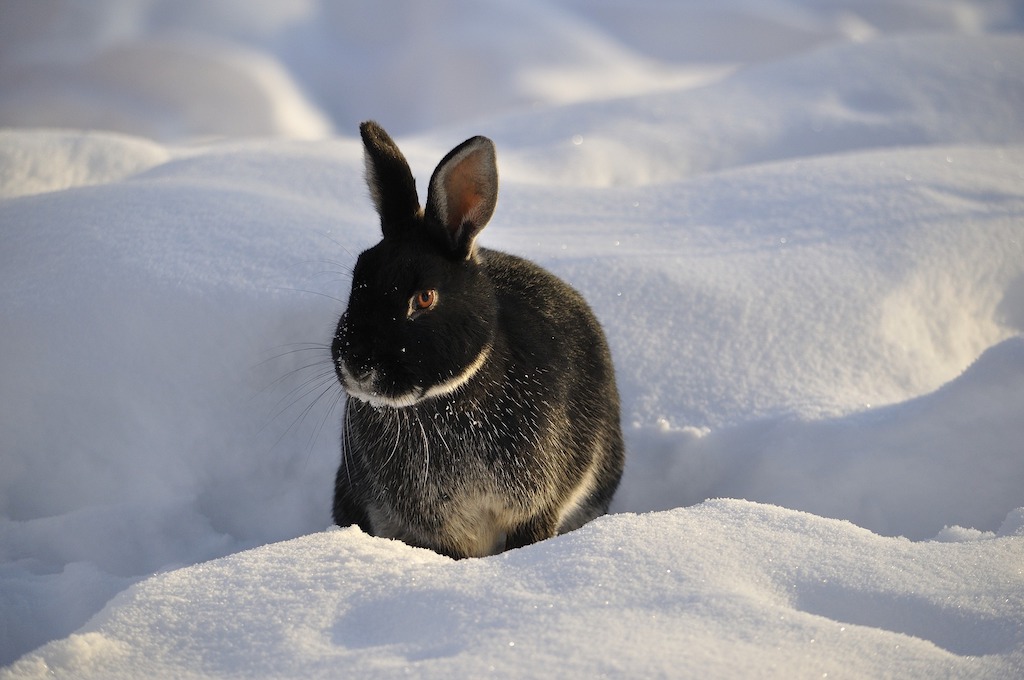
(423, 301)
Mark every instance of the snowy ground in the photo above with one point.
(801, 223)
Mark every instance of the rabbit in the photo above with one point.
(482, 411)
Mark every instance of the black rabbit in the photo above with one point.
(482, 412)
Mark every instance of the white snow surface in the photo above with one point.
(800, 222)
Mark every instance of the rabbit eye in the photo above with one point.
(422, 301)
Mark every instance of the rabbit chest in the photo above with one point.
(445, 468)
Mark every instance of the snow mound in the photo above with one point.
(729, 587)
(911, 469)
(812, 286)
(836, 99)
(166, 89)
(40, 161)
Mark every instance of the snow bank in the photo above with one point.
(910, 469)
(178, 70)
(814, 286)
(896, 91)
(803, 237)
(727, 587)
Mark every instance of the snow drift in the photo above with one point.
(776, 593)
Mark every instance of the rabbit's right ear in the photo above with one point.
(391, 183)
(462, 194)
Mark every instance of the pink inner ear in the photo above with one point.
(463, 193)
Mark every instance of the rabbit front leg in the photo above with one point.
(346, 511)
(537, 528)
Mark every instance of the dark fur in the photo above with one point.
(493, 464)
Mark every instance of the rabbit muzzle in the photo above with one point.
(368, 386)
(371, 385)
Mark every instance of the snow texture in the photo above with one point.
(801, 224)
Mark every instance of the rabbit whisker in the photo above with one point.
(398, 441)
(312, 292)
(319, 364)
(294, 348)
(444, 440)
(300, 392)
(338, 395)
(426, 447)
(336, 242)
(346, 438)
(304, 413)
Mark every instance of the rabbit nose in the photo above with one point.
(362, 373)
(360, 368)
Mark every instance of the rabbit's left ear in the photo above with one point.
(462, 194)
(389, 179)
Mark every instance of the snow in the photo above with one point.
(797, 596)
(801, 224)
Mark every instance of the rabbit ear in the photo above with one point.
(391, 183)
(463, 192)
